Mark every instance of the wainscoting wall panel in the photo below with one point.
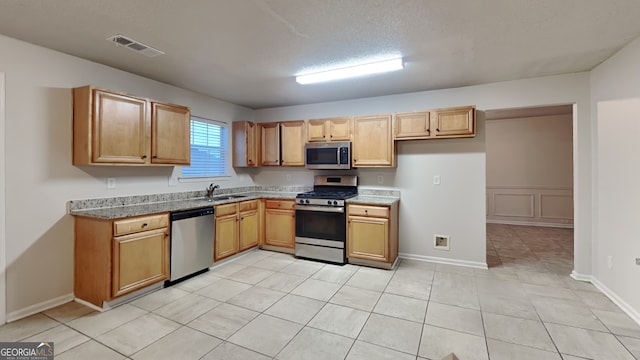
(530, 205)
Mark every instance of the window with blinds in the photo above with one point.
(208, 149)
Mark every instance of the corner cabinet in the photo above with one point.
(116, 257)
(245, 146)
(372, 234)
(373, 144)
(456, 122)
(111, 128)
(279, 223)
(236, 228)
(282, 143)
(333, 129)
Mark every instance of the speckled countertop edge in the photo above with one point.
(123, 207)
(110, 208)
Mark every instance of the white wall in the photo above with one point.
(40, 179)
(457, 206)
(615, 95)
(530, 170)
(3, 252)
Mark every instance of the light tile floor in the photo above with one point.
(267, 305)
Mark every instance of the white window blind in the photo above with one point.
(208, 149)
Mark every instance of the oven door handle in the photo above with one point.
(320, 208)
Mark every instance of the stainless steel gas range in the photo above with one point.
(321, 219)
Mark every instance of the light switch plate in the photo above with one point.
(436, 180)
(111, 183)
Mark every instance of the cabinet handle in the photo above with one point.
(155, 156)
(437, 129)
(143, 157)
(145, 225)
(331, 135)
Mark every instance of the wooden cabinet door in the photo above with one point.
(119, 133)
(412, 125)
(248, 229)
(372, 142)
(270, 144)
(292, 137)
(368, 238)
(454, 122)
(226, 236)
(279, 227)
(316, 130)
(139, 260)
(170, 134)
(245, 148)
(339, 129)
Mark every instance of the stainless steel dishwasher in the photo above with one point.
(191, 243)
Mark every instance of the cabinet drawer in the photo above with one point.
(143, 223)
(226, 209)
(280, 204)
(248, 205)
(365, 210)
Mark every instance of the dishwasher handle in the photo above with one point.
(186, 214)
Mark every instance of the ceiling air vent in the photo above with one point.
(134, 45)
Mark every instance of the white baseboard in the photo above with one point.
(39, 307)
(581, 277)
(529, 223)
(434, 259)
(628, 309)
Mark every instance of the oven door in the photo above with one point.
(321, 233)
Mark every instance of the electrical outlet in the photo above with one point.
(380, 179)
(637, 261)
(111, 183)
(436, 180)
(610, 262)
(441, 242)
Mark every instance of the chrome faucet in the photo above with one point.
(211, 189)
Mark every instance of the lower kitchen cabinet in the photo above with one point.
(116, 257)
(372, 234)
(280, 223)
(237, 228)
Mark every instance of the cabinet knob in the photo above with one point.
(143, 157)
(155, 156)
(145, 225)
(437, 129)
(330, 135)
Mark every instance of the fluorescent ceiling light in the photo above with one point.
(351, 71)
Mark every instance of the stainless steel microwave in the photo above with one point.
(328, 155)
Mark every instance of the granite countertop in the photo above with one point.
(373, 200)
(124, 211)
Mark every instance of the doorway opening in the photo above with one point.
(529, 157)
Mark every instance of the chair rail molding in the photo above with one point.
(530, 205)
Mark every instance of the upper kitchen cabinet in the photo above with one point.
(373, 144)
(245, 146)
(282, 143)
(454, 122)
(333, 129)
(292, 137)
(270, 144)
(111, 128)
(441, 123)
(170, 132)
(415, 125)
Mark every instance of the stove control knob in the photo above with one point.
(307, 201)
(335, 202)
(328, 202)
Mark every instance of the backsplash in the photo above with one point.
(378, 192)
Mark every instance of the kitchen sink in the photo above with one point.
(228, 197)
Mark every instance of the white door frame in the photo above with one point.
(3, 248)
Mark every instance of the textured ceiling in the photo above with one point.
(248, 51)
